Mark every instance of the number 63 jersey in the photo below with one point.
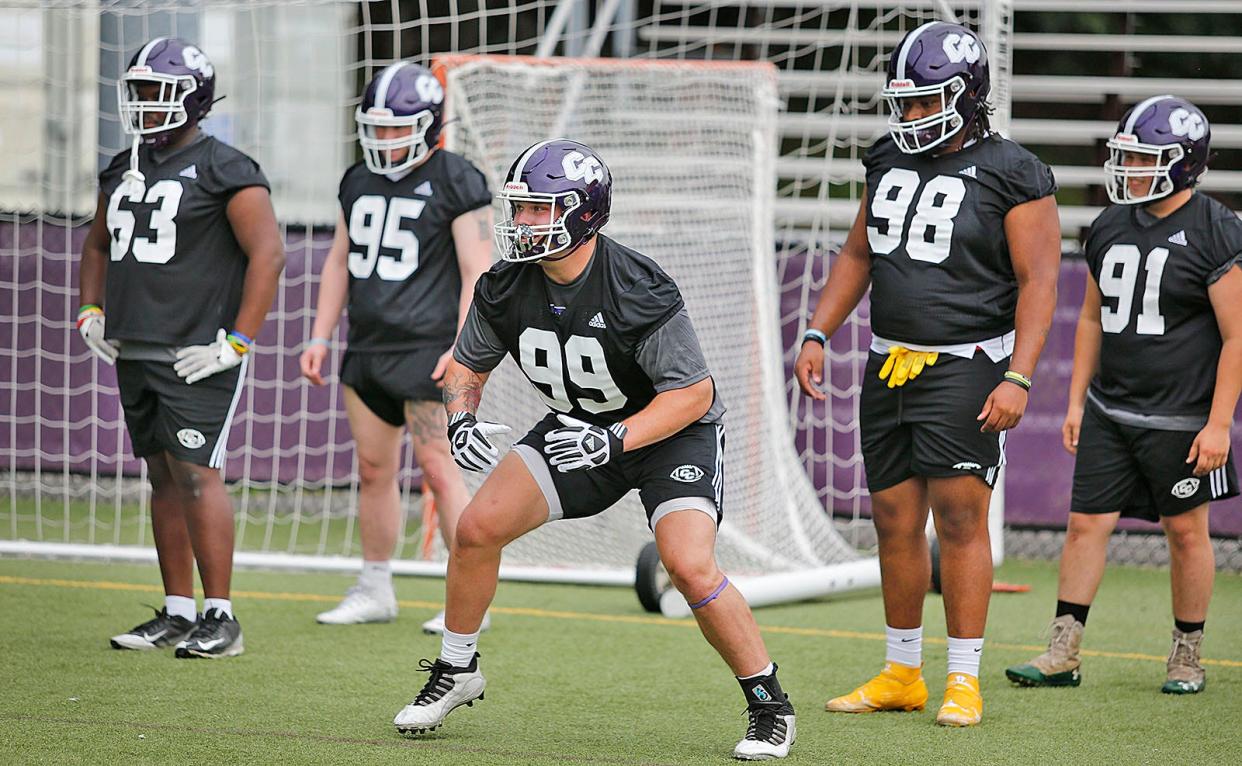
(176, 271)
(940, 267)
(1160, 342)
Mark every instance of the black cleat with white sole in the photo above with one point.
(216, 635)
(447, 689)
(160, 631)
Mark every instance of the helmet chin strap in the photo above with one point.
(133, 180)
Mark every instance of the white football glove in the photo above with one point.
(581, 445)
(91, 326)
(468, 442)
(197, 362)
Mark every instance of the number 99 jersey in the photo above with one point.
(176, 271)
(404, 281)
(1160, 342)
(940, 267)
(582, 357)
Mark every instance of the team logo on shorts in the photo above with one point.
(1185, 488)
(966, 465)
(191, 438)
(686, 474)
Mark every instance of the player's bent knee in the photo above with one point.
(693, 579)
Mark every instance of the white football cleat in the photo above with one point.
(361, 605)
(447, 689)
(435, 626)
(769, 735)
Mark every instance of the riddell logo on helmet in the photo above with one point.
(896, 84)
(1126, 138)
(516, 186)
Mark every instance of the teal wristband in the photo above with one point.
(815, 335)
(318, 342)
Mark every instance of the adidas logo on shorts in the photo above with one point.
(598, 321)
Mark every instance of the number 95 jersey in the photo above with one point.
(176, 271)
(404, 281)
(940, 267)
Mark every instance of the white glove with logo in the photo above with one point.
(197, 362)
(91, 327)
(581, 445)
(468, 442)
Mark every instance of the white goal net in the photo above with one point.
(734, 130)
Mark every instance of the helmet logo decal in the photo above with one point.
(429, 89)
(961, 48)
(578, 166)
(1184, 122)
(196, 60)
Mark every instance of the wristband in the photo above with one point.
(1018, 379)
(87, 311)
(318, 342)
(815, 335)
(239, 342)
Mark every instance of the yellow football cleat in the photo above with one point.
(963, 704)
(897, 687)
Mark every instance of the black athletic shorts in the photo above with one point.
(166, 414)
(386, 380)
(683, 472)
(1141, 472)
(928, 427)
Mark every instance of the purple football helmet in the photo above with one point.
(185, 86)
(403, 95)
(1171, 131)
(936, 59)
(572, 181)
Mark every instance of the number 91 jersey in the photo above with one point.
(404, 281)
(176, 271)
(940, 267)
(1160, 342)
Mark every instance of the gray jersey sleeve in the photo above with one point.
(478, 347)
(671, 356)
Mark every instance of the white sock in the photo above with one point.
(180, 606)
(457, 649)
(376, 574)
(964, 654)
(769, 670)
(223, 604)
(904, 646)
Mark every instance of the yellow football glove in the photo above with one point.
(904, 365)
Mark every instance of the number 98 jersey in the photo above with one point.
(940, 267)
(404, 281)
(1160, 342)
(176, 271)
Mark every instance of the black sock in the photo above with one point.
(1187, 627)
(763, 690)
(1078, 610)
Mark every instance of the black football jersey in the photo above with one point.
(176, 271)
(1160, 341)
(404, 281)
(582, 358)
(940, 267)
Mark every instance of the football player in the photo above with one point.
(959, 239)
(184, 256)
(603, 336)
(1157, 370)
(413, 235)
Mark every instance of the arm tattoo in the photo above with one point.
(463, 387)
(482, 218)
